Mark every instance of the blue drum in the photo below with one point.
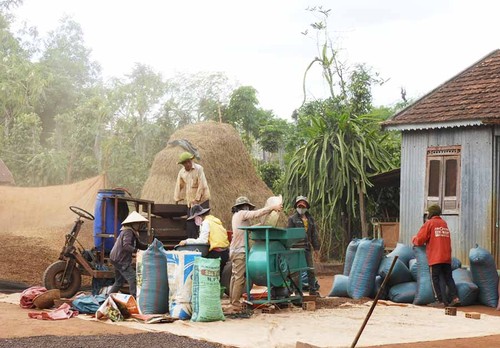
(104, 213)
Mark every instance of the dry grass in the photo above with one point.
(227, 164)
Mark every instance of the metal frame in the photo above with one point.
(249, 283)
(146, 207)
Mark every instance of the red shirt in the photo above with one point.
(436, 235)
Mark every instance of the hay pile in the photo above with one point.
(227, 164)
(34, 221)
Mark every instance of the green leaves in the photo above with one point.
(333, 167)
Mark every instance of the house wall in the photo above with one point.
(473, 224)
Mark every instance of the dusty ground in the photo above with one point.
(29, 332)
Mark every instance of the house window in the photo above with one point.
(443, 178)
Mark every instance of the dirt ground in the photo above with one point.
(16, 324)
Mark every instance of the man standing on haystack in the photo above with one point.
(192, 187)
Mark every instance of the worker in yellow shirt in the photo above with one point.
(212, 232)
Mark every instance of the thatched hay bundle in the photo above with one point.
(227, 166)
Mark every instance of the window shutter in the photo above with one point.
(451, 185)
(433, 181)
(443, 178)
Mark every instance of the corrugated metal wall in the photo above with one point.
(473, 225)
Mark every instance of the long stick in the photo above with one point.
(374, 302)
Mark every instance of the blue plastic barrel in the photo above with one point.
(104, 213)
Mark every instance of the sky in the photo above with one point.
(415, 45)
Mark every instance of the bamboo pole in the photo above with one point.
(374, 303)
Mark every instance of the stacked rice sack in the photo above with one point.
(366, 268)
(484, 275)
(152, 279)
(358, 279)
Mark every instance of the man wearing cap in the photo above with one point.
(302, 218)
(121, 254)
(243, 212)
(191, 187)
(435, 235)
(211, 232)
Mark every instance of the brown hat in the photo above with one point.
(197, 210)
(242, 200)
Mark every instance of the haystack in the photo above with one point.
(227, 164)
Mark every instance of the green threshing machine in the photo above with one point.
(272, 262)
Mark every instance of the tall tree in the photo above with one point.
(244, 113)
(68, 70)
(198, 97)
(343, 143)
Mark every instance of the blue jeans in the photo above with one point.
(311, 274)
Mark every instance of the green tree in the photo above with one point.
(68, 70)
(197, 97)
(22, 146)
(244, 113)
(343, 144)
(272, 134)
(21, 86)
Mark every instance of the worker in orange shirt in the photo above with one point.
(435, 235)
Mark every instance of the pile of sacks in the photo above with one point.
(366, 267)
(180, 283)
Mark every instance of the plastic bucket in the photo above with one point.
(104, 213)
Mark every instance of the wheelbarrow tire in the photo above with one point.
(52, 279)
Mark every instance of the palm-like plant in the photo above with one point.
(334, 166)
(342, 148)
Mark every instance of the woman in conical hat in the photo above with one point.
(121, 254)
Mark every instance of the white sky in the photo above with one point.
(415, 44)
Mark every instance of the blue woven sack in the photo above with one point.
(484, 275)
(455, 263)
(413, 269)
(400, 273)
(384, 295)
(467, 290)
(364, 268)
(424, 294)
(403, 293)
(349, 255)
(153, 295)
(339, 286)
(404, 252)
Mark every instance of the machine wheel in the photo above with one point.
(52, 279)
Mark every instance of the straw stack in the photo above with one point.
(227, 164)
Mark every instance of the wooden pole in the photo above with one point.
(374, 303)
